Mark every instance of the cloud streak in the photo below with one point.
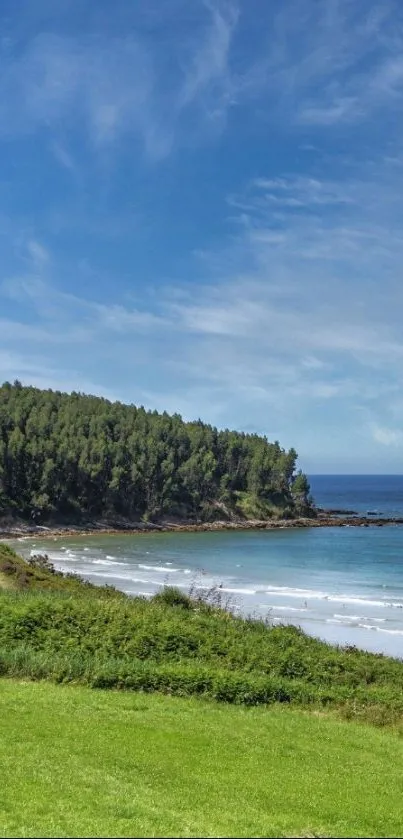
(319, 64)
(120, 87)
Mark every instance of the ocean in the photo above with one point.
(344, 585)
(380, 494)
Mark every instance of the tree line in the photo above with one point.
(73, 455)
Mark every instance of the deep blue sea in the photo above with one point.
(344, 585)
(380, 494)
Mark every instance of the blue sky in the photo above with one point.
(201, 211)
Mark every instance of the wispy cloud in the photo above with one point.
(269, 345)
(305, 303)
(120, 87)
(266, 290)
(64, 157)
(337, 61)
(38, 254)
(315, 64)
(208, 77)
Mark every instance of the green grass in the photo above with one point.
(76, 762)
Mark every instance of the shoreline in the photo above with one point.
(96, 528)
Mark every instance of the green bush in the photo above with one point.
(176, 644)
(172, 596)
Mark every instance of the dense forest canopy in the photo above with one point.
(73, 455)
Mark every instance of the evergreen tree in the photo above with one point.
(66, 455)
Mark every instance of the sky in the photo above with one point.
(201, 211)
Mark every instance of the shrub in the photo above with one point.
(176, 644)
(172, 596)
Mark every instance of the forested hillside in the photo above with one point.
(75, 456)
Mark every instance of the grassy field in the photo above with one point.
(77, 762)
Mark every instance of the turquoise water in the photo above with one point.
(344, 585)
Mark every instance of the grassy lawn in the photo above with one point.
(78, 762)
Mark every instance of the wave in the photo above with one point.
(349, 617)
(315, 594)
(110, 576)
(109, 561)
(366, 626)
(57, 558)
(159, 569)
(381, 629)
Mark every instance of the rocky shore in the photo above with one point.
(10, 529)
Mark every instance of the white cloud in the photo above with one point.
(38, 254)
(387, 436)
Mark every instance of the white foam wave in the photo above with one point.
(54, 557)
(109, 561)
(282, 591)
(111, 576)
(315, 594)
(367, 626)
(159, 569)
(287, 609)
(348, 617)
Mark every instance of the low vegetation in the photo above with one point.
(38, 574)
(184, 645)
